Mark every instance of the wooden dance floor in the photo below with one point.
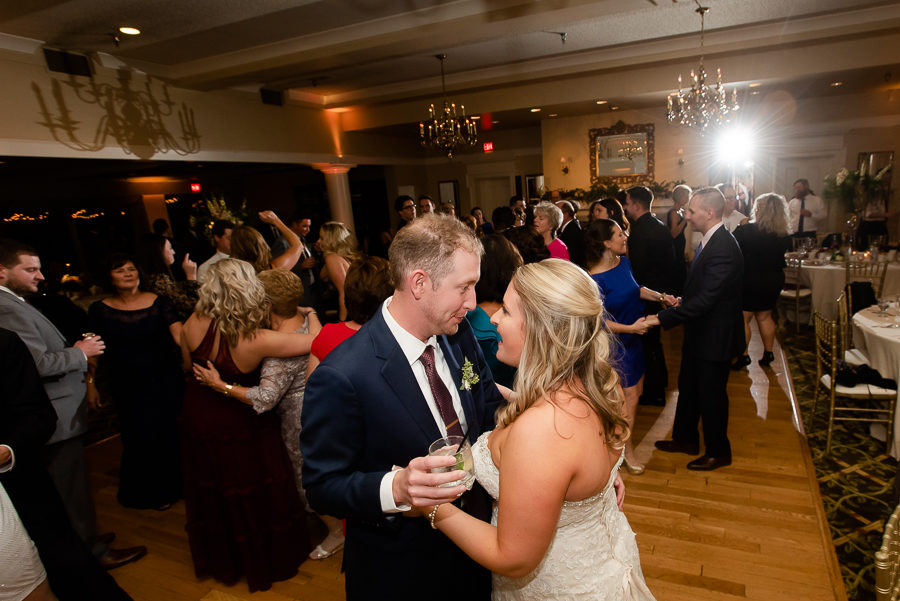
(754, 530)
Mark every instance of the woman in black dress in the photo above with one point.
(763, 241)
(141, 369)
(677, 222)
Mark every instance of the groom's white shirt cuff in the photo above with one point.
(386, 492)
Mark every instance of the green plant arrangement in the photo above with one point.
(609, 190)
(854, 188)
(210, 209)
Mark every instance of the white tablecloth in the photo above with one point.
(873, 335)
(827, 282)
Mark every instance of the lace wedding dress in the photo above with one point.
(593, 554)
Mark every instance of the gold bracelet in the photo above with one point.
(228, 388)
(431, 515)
(89, 380)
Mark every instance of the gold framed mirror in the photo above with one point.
(622, 154)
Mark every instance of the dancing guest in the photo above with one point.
(244, 514)
(498, 264)
(368, 284)
(605, 248)
(677, 223)
(551, 463)
(247, 244)
(155, 258)
(547, 219)
(763, 243)
(653, 264)
(339, 247)
(141, 370)
(221, 235)
(485, 226)
(283, 380)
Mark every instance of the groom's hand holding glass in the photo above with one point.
(416, 486)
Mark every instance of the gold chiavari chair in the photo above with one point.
(873, 272)
(887, 561)
(863, 402)
(794, 292)
(853, 356)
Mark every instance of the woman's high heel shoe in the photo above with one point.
(331, 545)
(635, 469)
(767, 358)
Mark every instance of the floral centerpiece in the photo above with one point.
(205, 212)
(855, 188)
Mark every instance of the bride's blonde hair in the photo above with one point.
(566, 345)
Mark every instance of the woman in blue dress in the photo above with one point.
(605, 248)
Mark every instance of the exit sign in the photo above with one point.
(489, 147)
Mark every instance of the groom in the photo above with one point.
(411, 375)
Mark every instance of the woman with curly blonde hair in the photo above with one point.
(339, 247)
(244, 513)
(556, 531)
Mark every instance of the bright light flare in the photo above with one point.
(735, 145)
(129, 30)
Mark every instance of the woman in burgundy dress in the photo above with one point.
(244, 514)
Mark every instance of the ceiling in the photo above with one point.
(332, 53)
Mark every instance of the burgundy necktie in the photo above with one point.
(442, 397)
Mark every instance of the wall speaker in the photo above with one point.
(67, 62)
(273, 97)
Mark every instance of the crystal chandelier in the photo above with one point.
(702, 105)
(447, 128)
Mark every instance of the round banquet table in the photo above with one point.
(827, 282)
(874, 334)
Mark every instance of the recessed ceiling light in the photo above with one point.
(836, 84)
(494, 122)
(755, 84)
(613, 108)
(602, 101)
(536, 110)
(130, 30)
(754, 93)
(476, 117)
(553, 115)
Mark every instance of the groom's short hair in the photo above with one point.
(428, 243)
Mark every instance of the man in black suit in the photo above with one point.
(27, 420)
(653, 265)
(710, 310)
(571, 233)
(414, 373)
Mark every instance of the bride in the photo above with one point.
(556, 532)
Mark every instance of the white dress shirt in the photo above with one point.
(412, 349)
(813, 204)
(201, 271)
(732, 221)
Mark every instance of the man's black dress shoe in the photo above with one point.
(105, 538)
(707, 463)
(674, 446)
(116, 558)
(740, 363)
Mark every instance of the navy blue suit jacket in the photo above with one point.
(363, 412)
(711, 304)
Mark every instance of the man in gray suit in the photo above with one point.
(62, 370)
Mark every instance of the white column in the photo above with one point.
(338, 187)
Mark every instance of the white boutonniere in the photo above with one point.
(469, 377)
